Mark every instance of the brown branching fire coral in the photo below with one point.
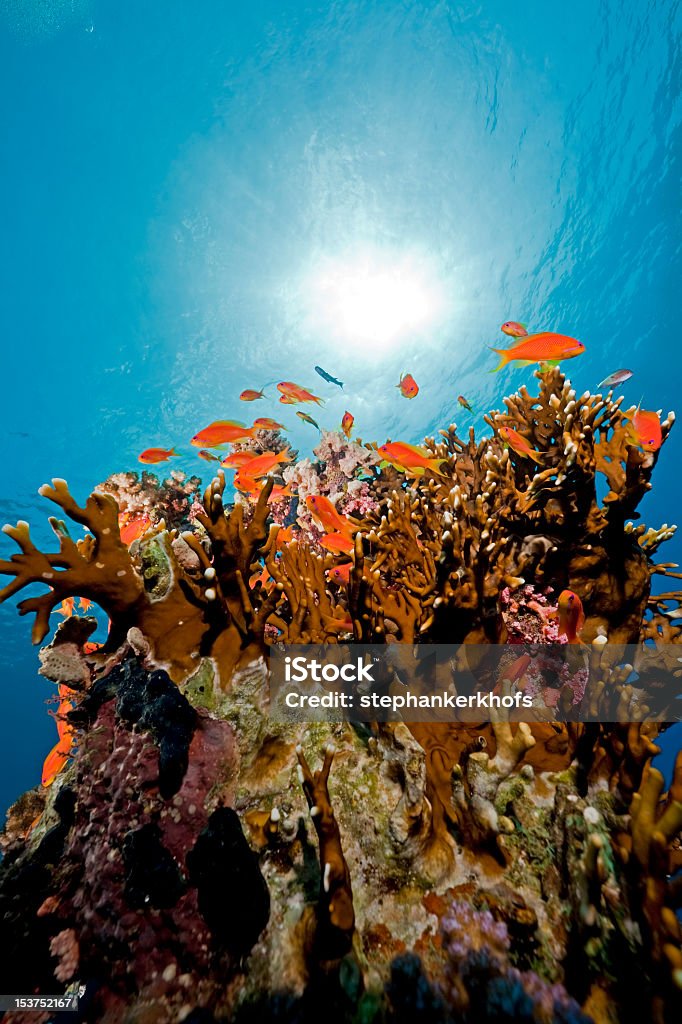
(335, 917)
(178, 869)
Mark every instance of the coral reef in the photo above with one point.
(174, 500)
(191, 863)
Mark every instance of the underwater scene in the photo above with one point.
(340, 600)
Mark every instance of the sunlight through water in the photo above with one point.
(374, 298)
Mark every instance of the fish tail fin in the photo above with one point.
(435, 464)
(536, 457)
(504, 358)
(172, 452)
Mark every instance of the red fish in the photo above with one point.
(67, 607)
(285, 536)
(514, 672)
(207, 456)
(340, 574)
(647, 430)
(56, 759)
(540, 348)
(327, 516)
(513, 329)
(519, 444)
(247, 485)
(132, 527)
(263, 577)
(347, 423)
(292, 393)
(339, 543)
(262, 464)
(238, 459)
(571, 616)
(264, 423)
(251, 396)
(408, 386)
(61, 752)
(85, 604)
(222, 432)
(410, 458)
(150, 456)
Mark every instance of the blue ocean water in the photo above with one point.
(203, 198)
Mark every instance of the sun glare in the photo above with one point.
(373, 300)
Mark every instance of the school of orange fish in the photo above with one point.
(253, 467)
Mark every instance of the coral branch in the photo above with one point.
(335, 914)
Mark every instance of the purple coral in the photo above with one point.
(481, 982)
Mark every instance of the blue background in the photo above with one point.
(172, 173)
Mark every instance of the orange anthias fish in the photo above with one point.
(207, 456)
(292, 393)
(540, 348)
(222, 432)
(238, 459)
(408, 386)
(340, 574)
(132, 527)
(514, 672)
(85, 604)
(519, 444)
(339, 543)
(410, 458)
(150, 456)
(56, 759)
(262, 464)
(647, 430)
(513, 329)
(464, 403)
(263, 577)
(347, 423)
(67, 607)
(264, 423)
(327, 515)
(285, 536)
(251, 396)
(571, 616)
(247, 485)
(61, 752)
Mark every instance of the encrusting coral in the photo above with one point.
(188, 864)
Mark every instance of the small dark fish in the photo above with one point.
(618, 377)
(463, 402)
(308, 419)
(328, 377)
